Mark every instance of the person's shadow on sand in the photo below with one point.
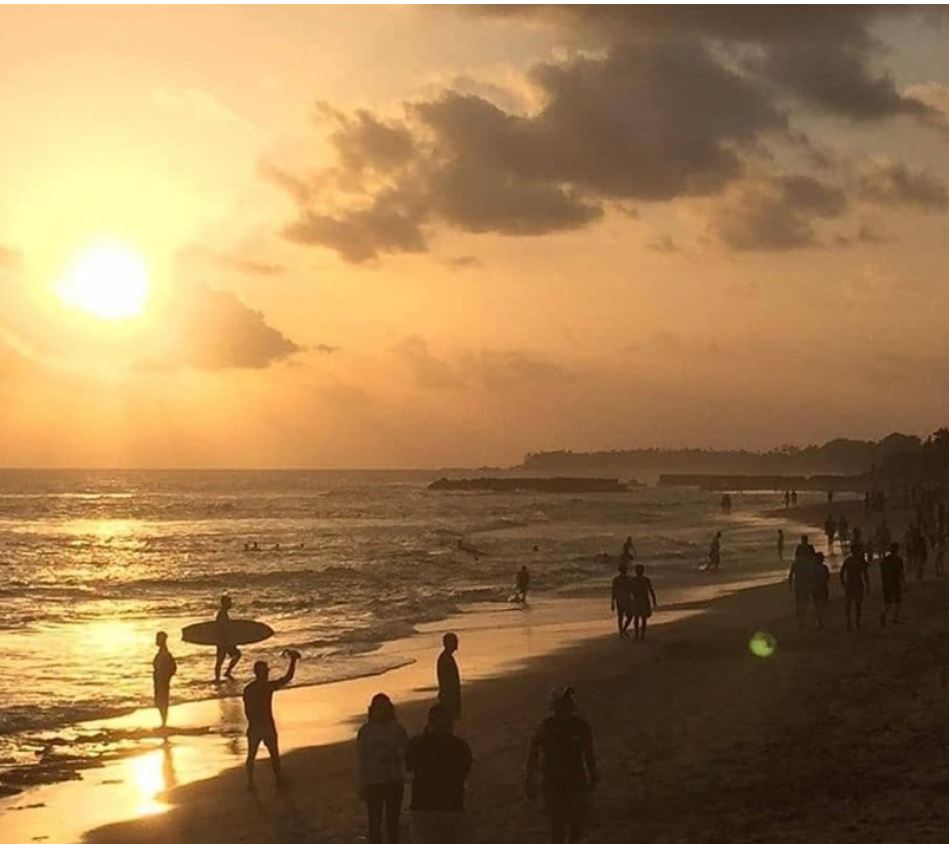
(289, 824)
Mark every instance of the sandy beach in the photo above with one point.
(835, 737)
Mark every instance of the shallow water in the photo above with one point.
(93, 563)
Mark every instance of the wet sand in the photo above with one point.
(207, 736)
(836, 737)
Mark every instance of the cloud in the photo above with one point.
(664, 244)
(204, 328)
(429, 372)
(200, 103)
(491, 370)
(894, 183)
(465, 262)
(651, 122)
(775, 214)
(865, 234)
(324, 349)
(231, 261)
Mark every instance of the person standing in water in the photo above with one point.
(621, 601)
(714, 553)
(380, 768)
(522, 583)
(449, 679)
(893, 578)
(164, 668)
(258, 707)
(830, 531)
(224, 648)
(855, 579)
(561, 751)
(780, 545)
(644, 602)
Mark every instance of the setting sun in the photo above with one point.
(107, 280)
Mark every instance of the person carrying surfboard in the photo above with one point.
(224, 648)
(258, 707)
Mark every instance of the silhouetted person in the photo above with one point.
(780, 545)
(224, 648)
(843, 531)
(258, 708)
(628, 552)
(787, 498)
(794, 496)
(801, 578)
(522, 584)
(715, 553)
(644, 601)
(380, 768)
(164, 668)
(830, 531)
(439, 763)
(893, 577)
(855, 579)
(449, 680)
(621, 601)
(562, 752)
(821, 587)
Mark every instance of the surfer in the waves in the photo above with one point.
(224, 649)
(258, 707)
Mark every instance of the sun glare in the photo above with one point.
(108, 281)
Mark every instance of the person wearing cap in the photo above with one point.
(439, 762)
(562, 752)
(164, 668)
(449, 680)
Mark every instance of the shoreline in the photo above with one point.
(319, 717)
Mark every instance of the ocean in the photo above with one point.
(94, 563)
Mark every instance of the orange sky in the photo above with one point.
(417, 237)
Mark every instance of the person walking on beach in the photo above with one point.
(449, 679)
(521, 584)
(801, 578)
(258, 708)
(561, 751)
(164, 668)
(621, 601)
(643, 600)
(224, 648)
(893, 578)
(714, 553)
(380, 768)
(821, 587)
(780, 545)
(439, 762)
(628, 552)
(830, 531)
(855, 579)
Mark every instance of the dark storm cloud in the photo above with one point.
(894, 183)
(204, 328)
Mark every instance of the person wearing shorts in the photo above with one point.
(562, 752)
(621, 601)
(225, 650)
(644, 600)
(893, 578)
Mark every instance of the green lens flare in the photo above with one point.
(762, 644)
